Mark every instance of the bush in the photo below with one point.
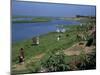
(87, 61)
(89, 42)
(55, 62)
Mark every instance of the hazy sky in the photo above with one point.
(47, 9)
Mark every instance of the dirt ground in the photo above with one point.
(77, 49)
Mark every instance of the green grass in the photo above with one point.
(34, 20)
(72, 18)
(48, 43)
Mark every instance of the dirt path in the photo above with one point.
(23, 66)
(77, 49)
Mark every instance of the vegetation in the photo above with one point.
(34, 20)
(87, 61)
(49, 56)
(82, 19)
(55, 62)
(46, 43)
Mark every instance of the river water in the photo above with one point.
(23, 31)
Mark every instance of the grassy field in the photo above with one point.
(36, 54)
(47, 42)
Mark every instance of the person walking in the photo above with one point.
(21, 55)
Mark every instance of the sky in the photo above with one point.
(48, 9)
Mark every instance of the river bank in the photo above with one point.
(48, 43)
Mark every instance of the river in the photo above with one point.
(23, 31)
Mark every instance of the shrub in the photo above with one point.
(55, 62)
(89, 42)
(87, 61)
